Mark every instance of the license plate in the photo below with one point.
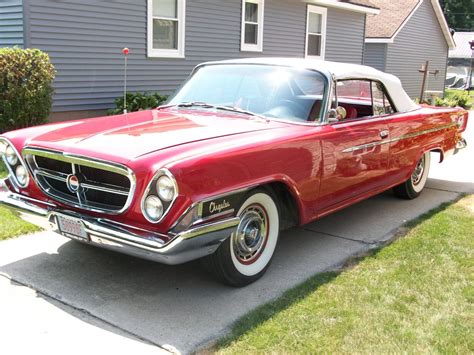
(72, 227)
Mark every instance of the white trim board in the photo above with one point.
(247, 47)
(324, 14)
(444, 25)
(167, 53)
(344, 6)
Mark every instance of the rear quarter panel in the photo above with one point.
(417, 132)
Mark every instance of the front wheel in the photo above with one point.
(245, 256)
(413, 187)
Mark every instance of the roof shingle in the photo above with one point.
(392, 15)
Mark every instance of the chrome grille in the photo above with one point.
(101, 186)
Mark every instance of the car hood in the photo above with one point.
(132, 135)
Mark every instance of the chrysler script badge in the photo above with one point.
(218, 207)
(73, 183)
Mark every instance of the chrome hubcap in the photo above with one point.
(418, 173)
(251, 235)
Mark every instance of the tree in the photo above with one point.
(459, 14)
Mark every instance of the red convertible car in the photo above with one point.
(244, 149)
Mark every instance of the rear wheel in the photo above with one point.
(245, 256)
(413, 187)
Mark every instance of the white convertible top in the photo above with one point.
(339, 71)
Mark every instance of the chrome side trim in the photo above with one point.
(210, 227)
(214, 216)
(199, 206)
(391, 140)
(29, 153)
(366, 146)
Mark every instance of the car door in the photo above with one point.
(355, 153)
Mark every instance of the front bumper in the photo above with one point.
(191, 244)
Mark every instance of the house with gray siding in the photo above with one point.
(403, 36)
(167, 38)
(11, 23)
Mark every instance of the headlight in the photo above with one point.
(159, 196)
(153, 208)
(165, 188)
(11, 156)
(21, 175)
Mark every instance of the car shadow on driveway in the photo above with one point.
(183, 305)
(178, 305)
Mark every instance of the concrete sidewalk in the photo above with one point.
(90, 297)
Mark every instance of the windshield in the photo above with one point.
(265, 90)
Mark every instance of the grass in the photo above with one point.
(3, 170)
(10, 224)
(415, 296)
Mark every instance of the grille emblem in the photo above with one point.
(73, 183)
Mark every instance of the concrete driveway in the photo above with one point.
(57, 295)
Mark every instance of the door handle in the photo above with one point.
(384, 134)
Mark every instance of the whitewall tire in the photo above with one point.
(245, 256)
(413, 187)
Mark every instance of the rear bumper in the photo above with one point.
(460, 144)
(191, 244)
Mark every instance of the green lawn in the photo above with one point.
(10, 225)
(3, 170)
(415, 296)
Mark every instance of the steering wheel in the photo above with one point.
(291, 106)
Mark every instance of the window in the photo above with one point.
(271, 91)
(166, 28)
(316, 32)
(381, 103)
(363, 98)
(252, 25)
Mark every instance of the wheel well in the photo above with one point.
(440, 152)
(289, 212)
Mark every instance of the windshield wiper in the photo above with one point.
(223, 108)
(239, 110)
(189, 104)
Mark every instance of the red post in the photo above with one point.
(125, 52)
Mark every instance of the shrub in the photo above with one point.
(454, 99)
(439, 101)
(26, 77)
(137, 101)
(459, 98)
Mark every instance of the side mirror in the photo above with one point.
(337, 114)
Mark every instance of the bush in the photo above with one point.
(137, 101)
(459, 98)
(26, 77)
(439, 101)
(454, 99)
